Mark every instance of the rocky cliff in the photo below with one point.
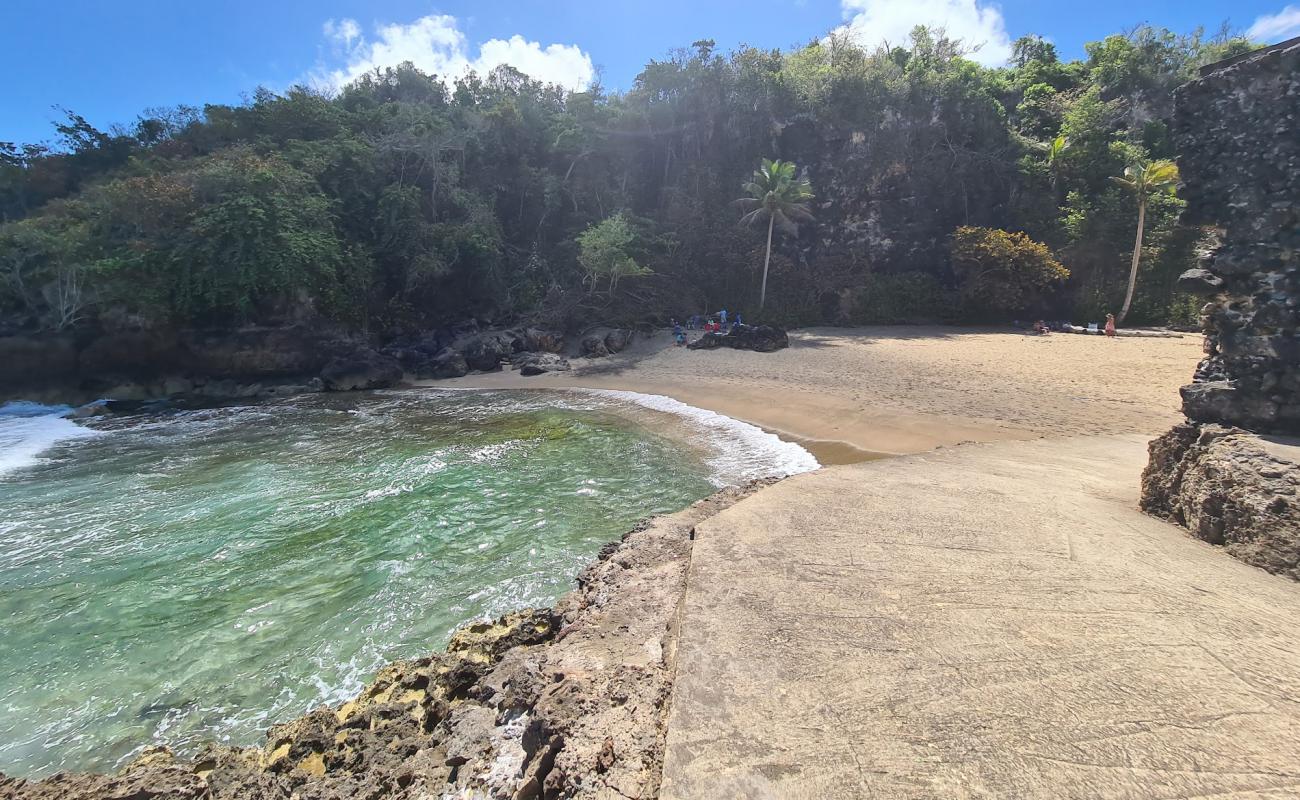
(1238, 133)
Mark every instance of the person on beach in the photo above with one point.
(722, 315)
(679, 335)
(1110, 326)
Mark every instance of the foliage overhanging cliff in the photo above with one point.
(403, 202)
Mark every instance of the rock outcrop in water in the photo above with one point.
(1238, 133)
(544, 703)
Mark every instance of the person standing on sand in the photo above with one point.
(1110, 326)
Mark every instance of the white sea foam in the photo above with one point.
(29, 429)
(740, 452)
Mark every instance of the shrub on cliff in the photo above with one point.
(1002, 272)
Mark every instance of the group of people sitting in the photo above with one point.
(1043, 327)
(709, 323)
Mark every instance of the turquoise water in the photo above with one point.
(192, 576)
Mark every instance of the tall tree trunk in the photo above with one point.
(762, 295)
(1137, 254)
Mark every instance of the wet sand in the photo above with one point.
(852, 394)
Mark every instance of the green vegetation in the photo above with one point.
(779, 198)
(1143, 180)
(404, 202)
(1001, 272)
(603, 252)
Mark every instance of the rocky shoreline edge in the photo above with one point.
(568, 701)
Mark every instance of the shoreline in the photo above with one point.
(536, 722)
(571, 698)
(855, 394)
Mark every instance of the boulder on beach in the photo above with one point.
(617, 340)
(594, 347)
(485, 352)
(449, 364)
(538, 363)
(759, 338)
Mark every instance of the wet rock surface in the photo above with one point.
(1232, 488)
(569, 701)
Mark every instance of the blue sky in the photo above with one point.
(109, 60)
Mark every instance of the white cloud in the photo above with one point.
(980, 27)
(344, 32)
(1274, 28)
(435, 44)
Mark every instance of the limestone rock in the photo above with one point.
(1230, 488)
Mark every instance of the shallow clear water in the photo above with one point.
(191, 576)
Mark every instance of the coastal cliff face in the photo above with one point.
(544, 703)
(1238, 132)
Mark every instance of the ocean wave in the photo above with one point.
(741, 452)
(29, 429)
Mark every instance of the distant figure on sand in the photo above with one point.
(1110, 325)
(722, 315)
(1041, 327)
(679, 335)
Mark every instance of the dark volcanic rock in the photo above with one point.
(759, 338)
(363, 369)
(594, 347)
(1230, 488)
(617, 340)
(1238, 134)
(540, 341)
(709, 341)
(538, 363)
(486, 351)
(448, 364)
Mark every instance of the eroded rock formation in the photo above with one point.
(1238, 133)
(1229, 488)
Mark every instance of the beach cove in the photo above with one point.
(874, 627)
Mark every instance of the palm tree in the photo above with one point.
(780, 198)
(1143, 180)
(1055, 150)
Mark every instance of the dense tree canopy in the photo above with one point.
(404, 201)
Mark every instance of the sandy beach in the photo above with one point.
(849, 393)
